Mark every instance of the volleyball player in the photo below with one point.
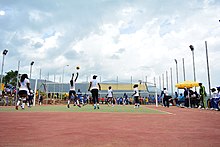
(72, 93)
(110, 96)
(94, 87)
(24, 90)
(136, 96)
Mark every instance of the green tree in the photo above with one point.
(10, 78)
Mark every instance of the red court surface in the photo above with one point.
(181, 127)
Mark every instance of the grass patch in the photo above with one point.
(87, 108)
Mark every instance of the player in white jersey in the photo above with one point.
(94, 87)
(136, 96)
(110, 96)
(24, 91)
(72, 93)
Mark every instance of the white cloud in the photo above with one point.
(2, 13)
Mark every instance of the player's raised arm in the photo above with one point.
(77, 75)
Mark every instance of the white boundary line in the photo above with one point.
(161, 111)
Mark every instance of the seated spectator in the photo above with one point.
(120, 101)
(217, 100)
(192, 99)
(181, 100)
(125, 99)
(214, 100)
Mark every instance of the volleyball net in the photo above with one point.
(61, 90)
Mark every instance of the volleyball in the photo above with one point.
(77, 67)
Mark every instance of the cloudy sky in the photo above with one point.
(111, 38)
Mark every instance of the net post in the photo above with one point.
(35, 90)
(155, 90)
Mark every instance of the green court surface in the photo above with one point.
(87, 108)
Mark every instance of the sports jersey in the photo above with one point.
(24, 85)
(165, 92)
(136, 92)
(72, 87)
(94, 84)
(110, 93)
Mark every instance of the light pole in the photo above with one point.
(194, 69)
(17, 87)
(163, 80)
(167, 80)
(32, 63)
(184, 72)
(177, 80)
(160, 82)
(4, 53)
(207, 59)
(63, 80)
(171, 80)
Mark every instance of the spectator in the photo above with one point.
(162, 98)
(176, 98)
(214, 96)
(202, 93)
(217, 100)
(192, 97)
(186, 96)
(181, 100)
(166, 98)
(6, 99)
(80, 98)
(40, 100)
(125, 99)
(31, 96)
(146, 100)
(196, 99)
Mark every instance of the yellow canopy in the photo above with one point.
(187, 84)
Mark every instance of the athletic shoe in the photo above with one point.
(94, 107)
(68, 106)
(79, 106)
(98, 107)
(16, 107)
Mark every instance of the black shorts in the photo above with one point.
(95, 95)
(72, 93)
(22, 93)
(109, 99)
(136, 99)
